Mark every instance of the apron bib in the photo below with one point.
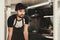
(18, 32)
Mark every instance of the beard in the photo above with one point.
(21, 16)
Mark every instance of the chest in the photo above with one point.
(18, 24)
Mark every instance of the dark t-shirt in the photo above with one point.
(12, 18)
(17, 26)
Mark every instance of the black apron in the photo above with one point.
(18, 32)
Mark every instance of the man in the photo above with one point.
(18, 24)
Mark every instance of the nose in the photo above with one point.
(23, 12)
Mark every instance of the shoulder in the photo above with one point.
(12, 16)
(11, 20)
(26, 19)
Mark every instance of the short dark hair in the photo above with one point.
(20, 6)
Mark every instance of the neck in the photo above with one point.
(18, 18)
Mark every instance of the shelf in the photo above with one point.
(58, 0)
(12, 10)
(58, 4)
(48, 16)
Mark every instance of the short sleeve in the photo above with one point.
(26, 20)
(10, 22)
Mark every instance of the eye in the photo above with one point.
(20, 10)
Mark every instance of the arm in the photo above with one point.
(10, 30)
(10, 22)
(25, 31)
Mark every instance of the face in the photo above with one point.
(21, 13)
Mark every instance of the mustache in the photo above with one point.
(23, 16)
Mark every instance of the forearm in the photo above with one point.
(10, 30)
(25, 35)
(9, 36)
